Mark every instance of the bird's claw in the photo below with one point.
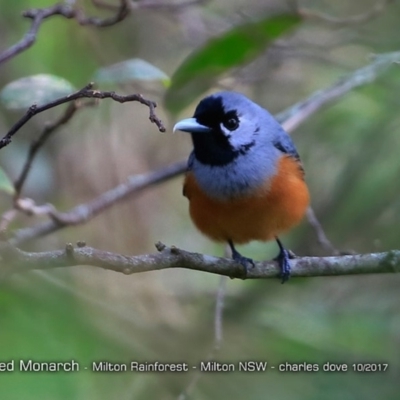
(284, 264)
(246, 262)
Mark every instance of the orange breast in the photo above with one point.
(262, 215)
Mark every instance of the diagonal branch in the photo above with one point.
(87, 211)
(15, 261)
(35, 146)
(319, 231)
(295, 115)
(377, 9)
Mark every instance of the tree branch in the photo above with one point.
(319, 231)
(166, 5)
(36, 145)
(85, 92)
(39, 15)
(378, 8)
(64, 10)
(16, 261)
(87, 211)
(105, 6)
(295, 115)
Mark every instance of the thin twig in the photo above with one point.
(104, 6)
(295, 115)
(29, 207)
(37, 144)
(84, 212)
(218, 317)
(219, 308)
(64, 10)
(166, 5)
(321, 236)
(121, 13)
(7, 218)
(85, 92)
(378, 8)
(39, 15)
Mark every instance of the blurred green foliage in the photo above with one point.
(129, 71)
(350, 153)
(236, 47)
(5, 183)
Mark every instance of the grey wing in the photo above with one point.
(284, 144)
(190, 161)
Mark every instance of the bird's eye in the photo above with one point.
(231, 123)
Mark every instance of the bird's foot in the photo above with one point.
(284, 265)
(283, 261)
(246, 262)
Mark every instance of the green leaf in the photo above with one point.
(131, 70)
(5, 183)
(235, 47)
(35, 89)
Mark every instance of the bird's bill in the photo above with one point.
(191, 125)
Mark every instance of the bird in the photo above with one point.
(244, 179)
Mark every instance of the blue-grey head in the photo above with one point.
(226, 125)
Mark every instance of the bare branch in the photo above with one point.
(104, 5)
(15, 260)
(85, 92)
(292, 117)
(7, 217)
(322, 238)
(166, 5)
(64, 10)
(39, 15)
(29, 207)
(219, 308)
(374, 12)
(121, 14)
(37, 144)
(84, 212)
